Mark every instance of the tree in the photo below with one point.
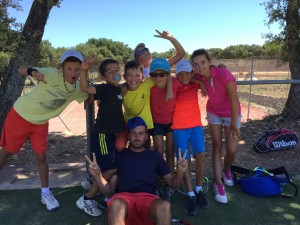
(287, 14)
(11, 83)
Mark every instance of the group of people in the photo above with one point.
(151, 103)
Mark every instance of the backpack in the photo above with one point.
(276, 139)
(263, 183)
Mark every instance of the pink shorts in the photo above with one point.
(16, 130)
(137, 207)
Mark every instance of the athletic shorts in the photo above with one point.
(103, 145)
(138, 205)
(183, 138)
(161, 129)
(226, 121)
(17, 130)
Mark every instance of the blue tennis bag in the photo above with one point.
(263, 183)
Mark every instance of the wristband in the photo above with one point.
(30, 70)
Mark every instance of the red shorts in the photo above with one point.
(16, 130)
(137, 207)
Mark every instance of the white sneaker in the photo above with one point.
(227, 178)
(220, 195)
(86, 184)
(49, 200)
(89, 206)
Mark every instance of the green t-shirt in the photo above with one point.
(46, 101)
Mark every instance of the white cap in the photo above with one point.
(134, 50)
(70, 53)
(184, 65)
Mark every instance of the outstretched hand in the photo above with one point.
(93, 168)
(88, 61)
(182, 162)
(165, 34)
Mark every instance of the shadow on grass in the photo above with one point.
(24, 207)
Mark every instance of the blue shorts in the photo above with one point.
(103, 145)
(226, 121)
(185, 137)
(161, 129)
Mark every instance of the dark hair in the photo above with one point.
(133, 65)
(71, 59)
(200, 52)
(104, 64)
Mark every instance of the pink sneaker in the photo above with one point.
(227, 178)
(220, 195)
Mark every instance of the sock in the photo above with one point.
(45, 190)
(106, 199)
(86, 198)
(198, 188)
(191, 194)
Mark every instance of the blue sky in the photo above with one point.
(196, 24)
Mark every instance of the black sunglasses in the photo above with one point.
(161, 74)
(141, 52)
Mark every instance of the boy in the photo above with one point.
(30, 114)
(187, 129)
(109, 123)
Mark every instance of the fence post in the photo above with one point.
(90, 120)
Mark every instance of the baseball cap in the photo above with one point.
(184, 65)
(134, 50)
(70, 53)
(135, 122)
(159, 64)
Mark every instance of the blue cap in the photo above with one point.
(159, 64)
(183, 65)
(135, 122)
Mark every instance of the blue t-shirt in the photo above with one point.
(137, 171)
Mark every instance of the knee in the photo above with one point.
(164, 207)
(40, 158)
(117, 205)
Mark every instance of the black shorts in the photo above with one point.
(103, 145)
(161, 129)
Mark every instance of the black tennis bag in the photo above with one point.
(276, 139)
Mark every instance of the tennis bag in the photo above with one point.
(263, 183)
(276, 139)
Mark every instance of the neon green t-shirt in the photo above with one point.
(46, 101)
(137, 103)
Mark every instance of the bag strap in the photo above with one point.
(280, 171)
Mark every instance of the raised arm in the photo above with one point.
(180, 53)
(84, 85)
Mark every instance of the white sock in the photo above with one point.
(191, 194)
(198, 188)
(45, 190)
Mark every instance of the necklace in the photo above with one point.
(67, 88)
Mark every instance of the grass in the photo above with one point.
(24, 207)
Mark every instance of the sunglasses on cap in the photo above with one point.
(161, 74)
(141, 52)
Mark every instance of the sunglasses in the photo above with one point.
(158, 74)
(141, 52)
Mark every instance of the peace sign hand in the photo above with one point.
(165, 35)
(182, 162)
(88, 61)
(93, 168)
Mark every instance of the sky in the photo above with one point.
(194, 23)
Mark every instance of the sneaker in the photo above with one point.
(103, 205)
(220, 195)
(89, 206)
(166, 193)
(190, 206)
(201, 199)
(227, 178)
(49, 200)
(86, 184)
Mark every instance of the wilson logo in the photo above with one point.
(280, 144)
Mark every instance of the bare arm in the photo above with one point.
(107, 188)
(170, 94)
(234, 100)
(34, 73)
(174, 181)
(180, 53)
(84, 85)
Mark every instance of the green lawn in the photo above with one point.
(24, 207)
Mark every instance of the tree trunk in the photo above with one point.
(291, 108)
(11, 83)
